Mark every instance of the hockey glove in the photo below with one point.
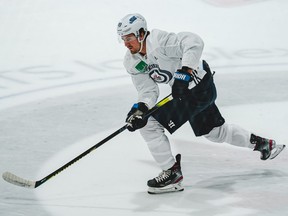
(135, 118)
(181, 82)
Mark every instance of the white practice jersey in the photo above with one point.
(165, 53)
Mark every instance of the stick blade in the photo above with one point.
(13, 179)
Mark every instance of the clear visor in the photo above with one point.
(126, 38)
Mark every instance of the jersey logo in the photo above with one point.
(158, 75)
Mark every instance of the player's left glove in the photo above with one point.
(181, 82)
(135, 118)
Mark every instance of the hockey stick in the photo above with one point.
(13, 179)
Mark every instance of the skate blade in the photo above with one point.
(167, 189)
(276, 151)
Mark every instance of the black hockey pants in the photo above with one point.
(198, 108)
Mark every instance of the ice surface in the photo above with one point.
(63, 88)
(219, 179)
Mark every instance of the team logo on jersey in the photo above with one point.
(158, 75)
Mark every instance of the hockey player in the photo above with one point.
(155, 57)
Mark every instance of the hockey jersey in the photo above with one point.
(165, 53)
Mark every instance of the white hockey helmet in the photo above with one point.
(131, 23)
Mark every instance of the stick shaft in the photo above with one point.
(11, 178)
(38, 183)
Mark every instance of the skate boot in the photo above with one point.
(168, 180)
(267, 147)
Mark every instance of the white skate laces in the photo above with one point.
(163, 175)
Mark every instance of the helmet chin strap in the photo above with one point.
(141, 42)
(141, 46)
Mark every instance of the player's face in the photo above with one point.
(131, 43)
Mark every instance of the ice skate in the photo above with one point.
(267, 147)
(168, 180)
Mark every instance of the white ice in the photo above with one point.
(63, 89)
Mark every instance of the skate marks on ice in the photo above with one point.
(231, 181)
(256, 192)
(230, 194)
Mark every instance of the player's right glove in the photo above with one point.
(135, 118)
